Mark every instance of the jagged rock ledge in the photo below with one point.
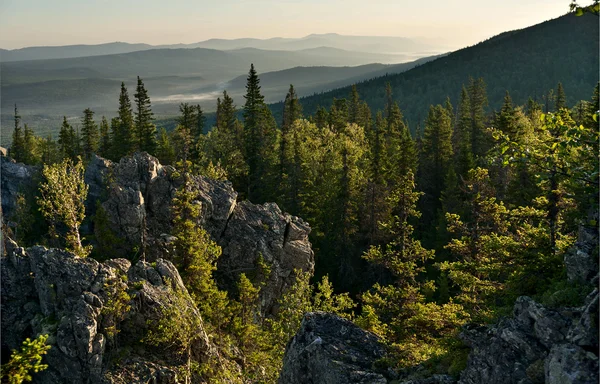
(50, 291)
(136, 194)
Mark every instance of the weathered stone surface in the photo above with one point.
(329, 349)
(15, 178)
(136, 193)
(536, 344)
(582, 259)
(570, 364)
(138, 208)
(263, 230)
(49, 291)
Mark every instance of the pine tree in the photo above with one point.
(145, 128)
(104, 148)
(338, 115)
(354, 109)
(66, 140)
(321, 117)
(253, 118)
(165, 151)
(17, 146)
(30, 146)
(399, 312)
(198, 132)
(89, 131)
(561, 98)
(288, 167)
(477, 102)
(461, 139)
(122, 130)
(437, 154)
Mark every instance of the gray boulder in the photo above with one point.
(329, 349)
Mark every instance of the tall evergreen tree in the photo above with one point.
(292, 111)
(89, 131)
(253, 114)
(145, 128)
(461, 139)
(104, 148)
(506, 119)
(321, 117)
(30, 143)
(66, 140)
(122, 130)
(17, 146)
(354, 108)
(561, 98)
(477, 102)
(338, 115)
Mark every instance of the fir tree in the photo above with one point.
(253, 113)
(122, 130)
(66, 140)
(292, 111)
(104, 148)
(145, 128)
(89, 130)
(477, 103)
(561, 98)
(17, 146)
(165, 151)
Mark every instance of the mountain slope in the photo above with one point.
(526, 62)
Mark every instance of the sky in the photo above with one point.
(455, 23)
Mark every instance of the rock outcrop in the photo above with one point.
(140, 193)
(49, 291)
(329, 349)
(16, 178)
(536, 345)
(136, 196)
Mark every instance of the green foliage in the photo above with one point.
(62, 201)
(144, 126)
(116, 307)
(29, 358)
(89, 131)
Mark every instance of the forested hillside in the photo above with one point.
(526, 62)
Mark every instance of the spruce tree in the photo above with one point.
(17, 146)
(122, 130)
(354, 109)
(292, 110)
(506, 118)
(30, 143)
(104, 148)
(89, 131)
(321, 117)
(461, 139)
(198, 132)
(66, 140)
(477, 102)
(145, 128)
(165, 152)
(253, 138)
(561, 98)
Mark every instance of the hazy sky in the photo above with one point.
(456, 22)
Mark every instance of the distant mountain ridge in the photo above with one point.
(526, 62)
(373, 44)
